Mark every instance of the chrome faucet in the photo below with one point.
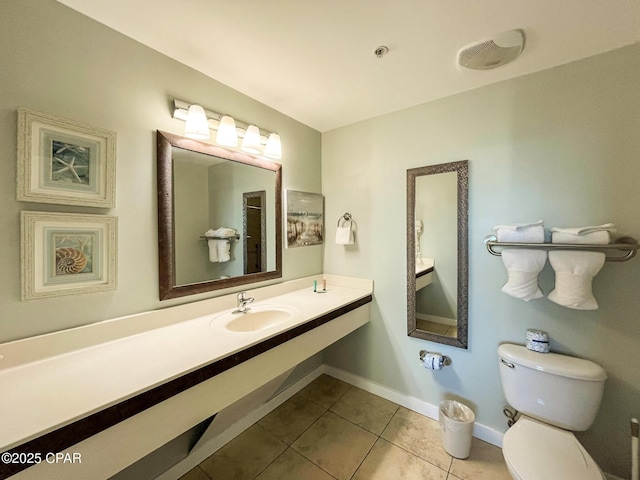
(243, 302)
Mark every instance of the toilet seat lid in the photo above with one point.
(534, 450)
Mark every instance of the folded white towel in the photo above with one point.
(574, 274)
(609, 227)
(523, 265)
(344, 235)
(521, 232)
(220, 232)
(593, 238)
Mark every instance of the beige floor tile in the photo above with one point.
(335, 445)
(388, 462)
(484, 463)
(292, 418)
(365, 409)
(195, 474)
(244, 457)
(419, 435)
(325, 390)
(293, 466)
(433, 327)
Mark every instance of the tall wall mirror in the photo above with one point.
(437, 252)
(219, 217)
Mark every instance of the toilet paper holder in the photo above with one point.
(446, 361)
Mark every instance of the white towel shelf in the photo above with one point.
(623, 244)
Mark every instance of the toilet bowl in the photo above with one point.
(555, 395)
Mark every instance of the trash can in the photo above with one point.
(456, 423)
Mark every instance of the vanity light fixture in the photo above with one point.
(196, 125)
(254, 140)
(273, 149)
(251, 141)
(227, 134)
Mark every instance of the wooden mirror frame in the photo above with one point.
(462, 170)
(166, 221)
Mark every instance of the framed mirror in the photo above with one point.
(219, 217)
(437, 253)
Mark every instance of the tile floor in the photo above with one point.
(331, 430)
(438, 328)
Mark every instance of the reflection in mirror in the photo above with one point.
(437, 225)
(233, 198)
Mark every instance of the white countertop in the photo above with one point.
(57, 385)
(423, 264)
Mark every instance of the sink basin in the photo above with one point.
(258, 317)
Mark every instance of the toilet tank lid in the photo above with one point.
(554, 363)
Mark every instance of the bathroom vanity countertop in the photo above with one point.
(58, 385)
(424, 266)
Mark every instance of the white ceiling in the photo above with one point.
(313, 59)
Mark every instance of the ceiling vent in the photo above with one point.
(503, 48)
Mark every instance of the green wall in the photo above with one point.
(562, 145)
(59, 62)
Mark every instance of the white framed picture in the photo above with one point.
(67, 254)
(64, 162)
(305, 218)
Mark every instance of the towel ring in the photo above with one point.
(346, 218)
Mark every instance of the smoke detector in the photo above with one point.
(501, 49)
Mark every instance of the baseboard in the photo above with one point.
(489, 435)
(197, 456)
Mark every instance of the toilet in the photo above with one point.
(555, 395)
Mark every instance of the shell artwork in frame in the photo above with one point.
(67, 254)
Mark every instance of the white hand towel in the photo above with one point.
(523, 265)
(574, 274)
(224, 251)
(213, 250)
(344, 235)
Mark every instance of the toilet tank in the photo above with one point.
(557, 389)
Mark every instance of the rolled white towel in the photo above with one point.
(523, 265)
(574, 275)
(521, 232)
